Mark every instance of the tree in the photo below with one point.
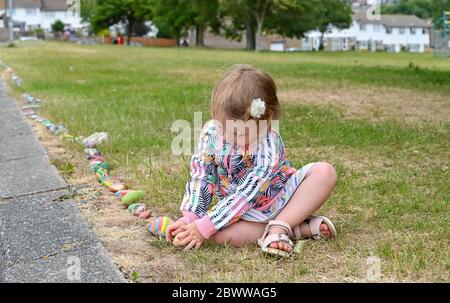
(57, 27)
(87, 9)
(261, 8)
(173, 17)
(424, 9)
(236, 18)
(247, 14)
(331, 13)
(420, 8)
(292, 18)
(125, 12)
(204, 14)
(439, 6)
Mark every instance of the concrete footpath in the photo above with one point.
(43, 236)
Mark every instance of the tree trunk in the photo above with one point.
(321, 45)
(199, 36)
(129, 31)
(259, 27)
(260, 16)
(250, 33)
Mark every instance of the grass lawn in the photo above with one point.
(382, 119)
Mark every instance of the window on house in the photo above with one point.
(412, 31)
(424, 31)
(413, 47)
(390, 48)
(30, 11)
(401, 30)
(362, 27)
(336, 44)
(50, 15)
(388, 30)
(363, 44)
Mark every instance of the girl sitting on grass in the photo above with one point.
(262, 198)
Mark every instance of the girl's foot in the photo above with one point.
(279, 245)
(314, 227)
(270, 237)
(304, 227)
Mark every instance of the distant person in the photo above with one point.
(67, 35)
(185, 43)
(120, 40)
(262, 198)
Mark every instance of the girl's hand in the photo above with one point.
(189, 237)
(173, 229)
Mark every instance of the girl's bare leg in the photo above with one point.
(240, 233)
(308, 198)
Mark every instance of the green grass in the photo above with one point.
(392, 196)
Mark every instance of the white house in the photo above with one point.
(33, 14)
(392, 33)
(371, 2)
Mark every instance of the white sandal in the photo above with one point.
(266, 239)
(314, 223)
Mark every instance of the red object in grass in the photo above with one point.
(124, 192)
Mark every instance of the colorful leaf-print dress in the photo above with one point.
(250, 186)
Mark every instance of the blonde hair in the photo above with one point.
(235, 91)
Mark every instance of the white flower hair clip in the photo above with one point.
(258, 108)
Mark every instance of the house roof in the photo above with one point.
(360, 15)
(44, 5)
(21, 4)
(54, 5)
(403, 21)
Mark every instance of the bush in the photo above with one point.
(58, 27)
(163, 34)
(103, 33)
(39, 32)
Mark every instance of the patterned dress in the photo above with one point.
(250, 186)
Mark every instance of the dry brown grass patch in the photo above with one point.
(376, 103)
(124, 236)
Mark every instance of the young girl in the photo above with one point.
(262, 198)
